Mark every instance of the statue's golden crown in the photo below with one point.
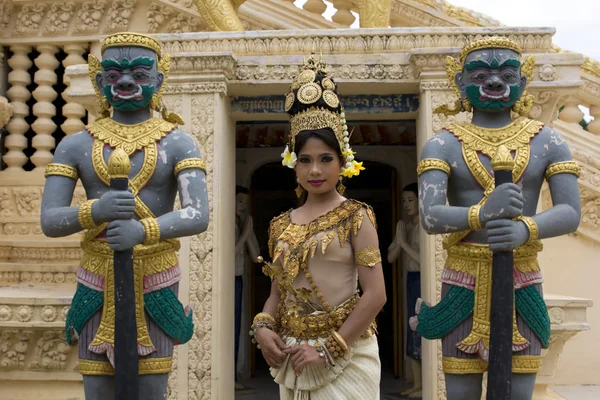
(131, 39)
(488, 43)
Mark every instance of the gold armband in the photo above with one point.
(84, 215)
(563, 167)
(531, 227)
(474, 220)
(369, 257)
(62, 170)
(152, 230)
(432, 163)
(189, 163)
(264, 318)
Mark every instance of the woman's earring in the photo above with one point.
(299, 189)
(340, 187)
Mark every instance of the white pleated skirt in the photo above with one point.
(356, 376)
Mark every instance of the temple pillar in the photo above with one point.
(435, 90)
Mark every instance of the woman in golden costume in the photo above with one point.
(315, 331)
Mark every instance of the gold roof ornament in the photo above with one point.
(131, 39)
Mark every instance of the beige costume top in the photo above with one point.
(315, 266)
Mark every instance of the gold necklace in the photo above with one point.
(130, 138)
(487, 140)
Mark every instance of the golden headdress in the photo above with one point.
(313, 104)
(164, 64)
(522, 106)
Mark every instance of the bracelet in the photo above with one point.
(152, 230)
(264, 318)
(324, 353)
(254, 328)
(84, 215)
(338, 338)
(531, 227)
(334, 348)
(474, 220)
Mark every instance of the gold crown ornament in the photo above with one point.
(313, 104)
(164, 65)
(453, 67)
(131, 39)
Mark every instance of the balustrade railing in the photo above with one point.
(42, 111)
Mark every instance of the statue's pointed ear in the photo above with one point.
(527, 72)
(95, 72)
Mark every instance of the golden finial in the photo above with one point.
(119, 164)
(502, 160)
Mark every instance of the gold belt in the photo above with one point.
(147, 260)
(476, 259)
(319, 325)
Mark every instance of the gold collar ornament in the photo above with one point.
(130, 138)
(164, 65)
(313, 104)
(453, 67)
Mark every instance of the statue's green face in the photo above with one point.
(129, 77)
(491, 79)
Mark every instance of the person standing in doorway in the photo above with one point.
(407, 242)
(245, 242)
(316, 331)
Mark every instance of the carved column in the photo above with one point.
(18, 94)
(44, 109)
(435, 91)
(73, 111)
(204, 366)
(343, 16)
(594, 126)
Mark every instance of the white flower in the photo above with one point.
(288, 159)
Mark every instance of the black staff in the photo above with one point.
(501, 314)
(126, 355)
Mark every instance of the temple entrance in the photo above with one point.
(271, 188)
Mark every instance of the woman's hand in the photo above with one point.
(402, 233)
(271, 346)
(304, 355)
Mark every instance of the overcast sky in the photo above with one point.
(576, 21)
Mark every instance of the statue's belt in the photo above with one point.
(474, 260)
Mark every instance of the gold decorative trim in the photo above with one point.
(526, 364)
(62, 170)
(489, 43)
(84, 215)
(130, 137)
(189, 163)
(369, 257)
(531, 227)
(146, 366)
(563, 167)
(461, 366)
(474, 218)
(466, 257)
(131, 39)
(432, 163)
(313, 119)
(152, 231)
